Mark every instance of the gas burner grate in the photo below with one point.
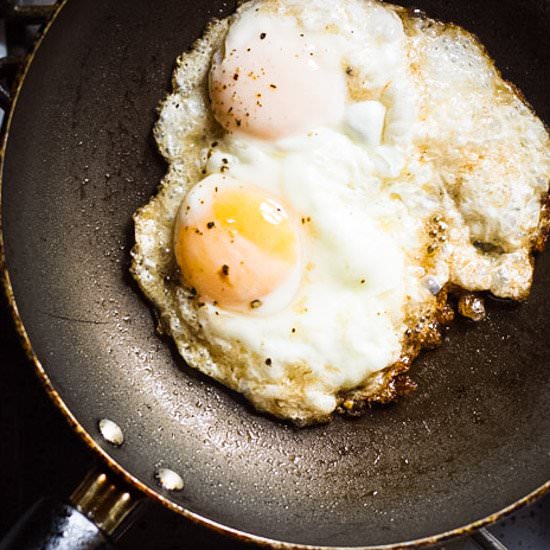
(22, 22)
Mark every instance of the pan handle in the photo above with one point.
(96, 510)
(56, 526)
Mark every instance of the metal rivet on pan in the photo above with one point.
(169, 479)
(111, 432)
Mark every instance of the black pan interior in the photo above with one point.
(80, 159)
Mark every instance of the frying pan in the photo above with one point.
(472, 443)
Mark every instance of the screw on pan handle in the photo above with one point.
(484, 539)
(96, 511)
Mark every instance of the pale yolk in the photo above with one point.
(273, 82)
(235, 244)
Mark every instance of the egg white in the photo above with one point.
(433, 179)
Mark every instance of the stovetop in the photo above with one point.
(41, 456)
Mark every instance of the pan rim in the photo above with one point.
(109, 461)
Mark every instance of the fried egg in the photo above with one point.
(334, 170)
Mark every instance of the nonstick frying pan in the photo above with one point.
(470, 444)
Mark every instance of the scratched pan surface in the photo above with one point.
(475, 437)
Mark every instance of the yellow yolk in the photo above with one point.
(235, 244)
(274, 82)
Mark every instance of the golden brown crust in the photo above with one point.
(393, 382)
(544, 226)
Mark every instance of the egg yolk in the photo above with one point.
(234, 243)
(273, 82)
